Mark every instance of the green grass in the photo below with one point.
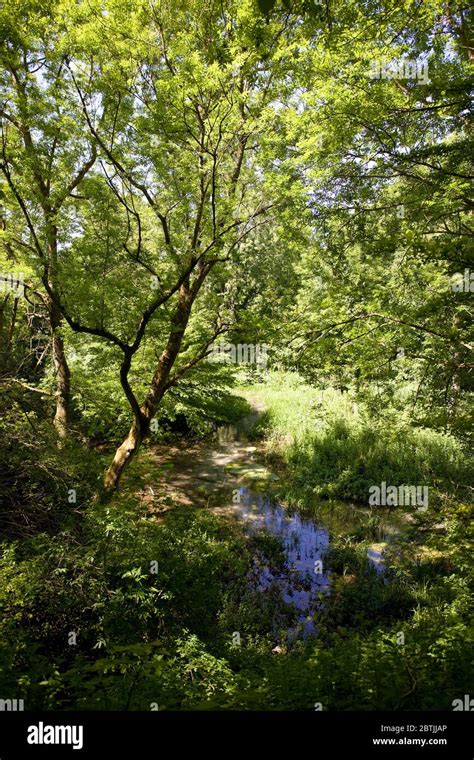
(333, 448)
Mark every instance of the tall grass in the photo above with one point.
(335, 448)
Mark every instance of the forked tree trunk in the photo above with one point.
(139, 429)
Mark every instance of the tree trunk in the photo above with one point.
(61, 368)
(63, 376)
(125, 452)
(139, 429)
(11, 330)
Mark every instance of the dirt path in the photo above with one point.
(200, 474)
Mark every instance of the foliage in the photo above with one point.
(177, 173)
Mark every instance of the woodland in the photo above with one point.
(236, 373)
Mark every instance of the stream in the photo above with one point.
(304, 543)
(228, 476)
(304, 581)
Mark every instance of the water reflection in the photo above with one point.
(304, 544)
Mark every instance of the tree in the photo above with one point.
(386, 162)
(44, 158)
(174, 132)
